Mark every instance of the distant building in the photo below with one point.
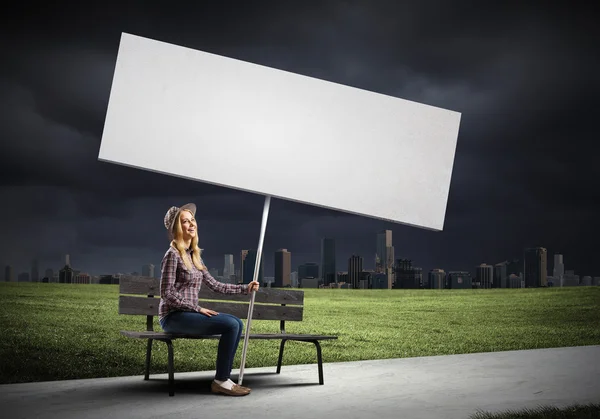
(283, 268)
(558, 271)
(379, 280)
(485, 275)
(365, 280)
(310, 283)
(241, 278)
(249, 265)
(515, 267)
(407, 276)
(66, 275)
(228, 266)
(500, 275)
(82, 278)
(328, 262)
(148, 270)
(570, 279)
(343, 277)
(515, 281)
(459, 280)
(536, 267)
(294, 279)
(308, 270)
(108, 279)
(355, 267)
(437, 279)
(384, 257)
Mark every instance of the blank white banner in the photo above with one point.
(201, 116)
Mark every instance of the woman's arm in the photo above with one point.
(168, 292)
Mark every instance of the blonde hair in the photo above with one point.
(179, 245)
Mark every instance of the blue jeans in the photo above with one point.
(228, 326)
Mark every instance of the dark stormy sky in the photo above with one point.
(523, 74)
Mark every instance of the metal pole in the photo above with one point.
(263, 227)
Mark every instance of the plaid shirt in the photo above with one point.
(179, 287)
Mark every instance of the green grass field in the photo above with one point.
(67, 331)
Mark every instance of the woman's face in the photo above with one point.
(188, 225)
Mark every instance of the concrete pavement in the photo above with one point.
(454, 386)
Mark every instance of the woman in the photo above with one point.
(182, 275)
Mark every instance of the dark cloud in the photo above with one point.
(522, 75)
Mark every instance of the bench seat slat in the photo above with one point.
(266, 336)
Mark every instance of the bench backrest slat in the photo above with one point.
(263, 295)
(138, 305)
(259, 311)
(141, 285)
(149, 306)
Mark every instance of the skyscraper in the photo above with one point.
(66, 274)
(228, 266)
(385, 255)
(243, 255)
(283, 268)
(328, 265)
(536, 267)
(355, 267)
(294, 279)
(248, 268)
(559, 269)
(500, 275)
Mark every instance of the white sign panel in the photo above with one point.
(201, 116)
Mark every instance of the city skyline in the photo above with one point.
(384, 244)
(524, 175)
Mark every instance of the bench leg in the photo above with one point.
(320, 360)
(283, 341)
(170, 369)
(148, 358)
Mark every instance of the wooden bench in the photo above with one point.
(269, 304)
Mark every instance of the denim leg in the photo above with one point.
(228, 326)
(237, 341)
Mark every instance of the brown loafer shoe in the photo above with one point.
(235, 390)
